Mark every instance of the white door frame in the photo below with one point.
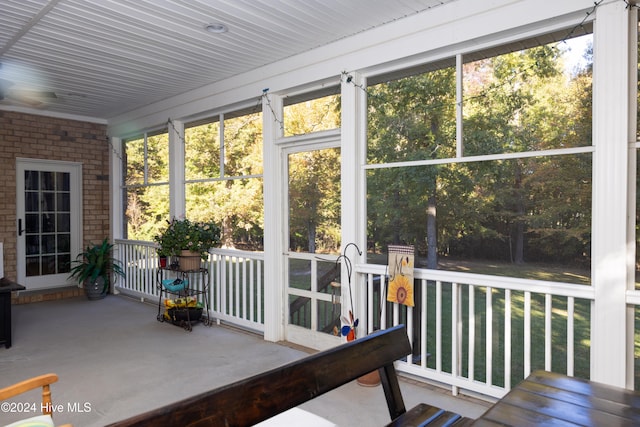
(75, 171)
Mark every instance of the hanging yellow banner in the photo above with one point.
(401, 275)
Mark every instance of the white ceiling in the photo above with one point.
(103, 58)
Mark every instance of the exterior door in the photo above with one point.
(48, 221)
(312, 299)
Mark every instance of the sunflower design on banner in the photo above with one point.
(401, 275)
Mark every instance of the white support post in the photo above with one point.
(274, 176)
(459, 105)
(631, 188)
(353, 190)
(609, 240)
(177, 205)
(117, 202)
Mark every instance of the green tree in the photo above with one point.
(146, 181)
(524, 104)
(314, 200)
(226, 185)
(412, 118)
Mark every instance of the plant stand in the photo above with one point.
(196, 286)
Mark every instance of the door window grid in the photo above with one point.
(47, 222)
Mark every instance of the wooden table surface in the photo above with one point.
(550, 399)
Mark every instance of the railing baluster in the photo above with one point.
(547, 331)
(424, 317)
(371, 312)
(507, 339)
(223, 286)
(250, 281)
(438, 326)
(489, 336)
(237, 286)
(260, 297)
(570, 335)
(383, 304)
(455, 332)
(472, 332)
(527, 333)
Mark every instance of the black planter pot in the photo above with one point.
(95, 290)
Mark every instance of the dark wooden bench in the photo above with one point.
(255, 399)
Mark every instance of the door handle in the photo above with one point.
(20, 229)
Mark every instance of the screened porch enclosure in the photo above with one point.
(507, 162)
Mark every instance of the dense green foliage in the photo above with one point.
(496, 185)
(187, 235)
(224, 182)
(533, 208)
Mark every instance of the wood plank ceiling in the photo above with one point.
(102, 58)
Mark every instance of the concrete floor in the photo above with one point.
(115, 360)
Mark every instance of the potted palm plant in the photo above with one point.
(94, 267)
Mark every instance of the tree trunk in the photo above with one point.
(518, 256)
(432, 235)
(227, 233)
(312, 237)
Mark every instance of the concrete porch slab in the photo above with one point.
(115, 360)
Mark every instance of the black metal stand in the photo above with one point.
(182, 316)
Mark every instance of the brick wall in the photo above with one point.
(39, 137)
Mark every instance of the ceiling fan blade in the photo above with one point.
(4, 87)
(32, 98)
(32, 94)
(19, 84)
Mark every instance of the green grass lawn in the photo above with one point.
(535, 271)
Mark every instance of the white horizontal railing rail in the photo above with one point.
(484, 333)
(236, 282)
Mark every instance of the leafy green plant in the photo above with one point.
(96, 261)
(187, 235)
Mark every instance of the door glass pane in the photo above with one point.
(63, 201)
(31, 201)
(31, 180)
(47, 181)
(328, 272)
(63, 181)
(314, 201)
(300, 274)
(47, 222)
(300, 311)
(328, 317)
(32, 223)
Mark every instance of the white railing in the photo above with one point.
(237, 287)
(140, 264)
(235, 279)
(470, 332)
(484, 333)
